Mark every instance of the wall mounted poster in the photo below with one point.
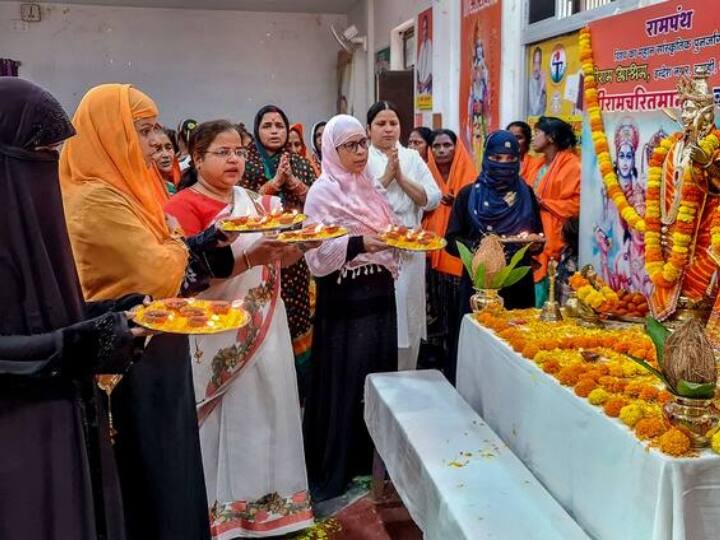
(637, 77)
(424, 62)
(554, 78)
(479, 72)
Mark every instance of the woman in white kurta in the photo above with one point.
(411, 190)
(245, 384)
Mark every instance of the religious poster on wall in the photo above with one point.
(479, 73)
(424, 62)
(554, 78)
(637, 78)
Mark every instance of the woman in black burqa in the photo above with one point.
(57, 471)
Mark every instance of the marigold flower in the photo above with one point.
(715, 442)
(648, 428)
(568, 376)
(630, 414)
(551, 366)
(674, 442)
(530, 351)
(598, 396)
(584, 387)
(648, 393)
(663, 397)
(614, 406)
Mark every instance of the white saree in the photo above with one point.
(248, 406)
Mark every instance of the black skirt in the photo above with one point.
(355, 335)
(158, 446)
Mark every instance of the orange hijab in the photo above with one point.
(298, 128)
(107, 149)
(462, 173)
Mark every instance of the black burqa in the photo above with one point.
(56, 469)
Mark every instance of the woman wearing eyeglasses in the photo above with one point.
(355, 320)
(245, 386)
(411, 190)
(272, 170)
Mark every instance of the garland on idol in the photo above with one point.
(684, 210)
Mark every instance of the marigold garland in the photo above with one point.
(597, 126)
(664, 273)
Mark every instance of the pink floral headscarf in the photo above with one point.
(346, 199)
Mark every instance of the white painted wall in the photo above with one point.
(197, 63)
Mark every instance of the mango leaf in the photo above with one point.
(479, 281)
(519, 254)
(466, 256)
(654, 371)
(500, 277)
(516, 275)
(658, 334)
(695, 390)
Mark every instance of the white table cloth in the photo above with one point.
(610, 482)
(455, 476)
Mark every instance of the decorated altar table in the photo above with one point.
(613, 484)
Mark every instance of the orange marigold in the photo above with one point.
(602, 369)
(585, 386)
(648, 393)
(633, 389)
(568, 376)
(613, 406)
(615, 370)
(648, 428)
(530, 351)
(663, 397)
(674, 442)
(551, 366)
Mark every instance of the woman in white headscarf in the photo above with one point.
(355, 326)
(411, 190)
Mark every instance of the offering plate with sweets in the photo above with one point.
(412, 239)
(277, 220)
(191, 316)
(313, 233)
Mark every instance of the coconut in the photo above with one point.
(490, 252)
(689, 355)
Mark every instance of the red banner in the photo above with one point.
(479, 72)
(640, 55)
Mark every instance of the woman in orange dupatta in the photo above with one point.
(453, 168)
(557, 187)
(122, 243)
(165, 158)
(528, 164)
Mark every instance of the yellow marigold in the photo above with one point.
(648, 428)
(598, 396)
(614, 406)
(615, 370)
(715, 442)
(674, 442)
(629, 370)
(630, 414)
(585, 386)
(542, 356)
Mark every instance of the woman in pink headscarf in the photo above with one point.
(355, 320)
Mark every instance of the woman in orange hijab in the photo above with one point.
(453, 168)
(557, 187)
(122, 243)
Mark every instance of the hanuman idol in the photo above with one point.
(682, 203)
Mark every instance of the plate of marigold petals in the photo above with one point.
(277, 220)
(191, 316)
(313, 233)
(412, 239)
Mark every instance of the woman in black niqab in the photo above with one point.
(56, 467)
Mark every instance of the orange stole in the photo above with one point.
(462, 173)
(529, 166)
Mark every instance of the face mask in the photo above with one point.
(502, 171)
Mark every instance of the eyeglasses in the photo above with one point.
(240, 153)
(353, 146)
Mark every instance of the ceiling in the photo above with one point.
(291, 6)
